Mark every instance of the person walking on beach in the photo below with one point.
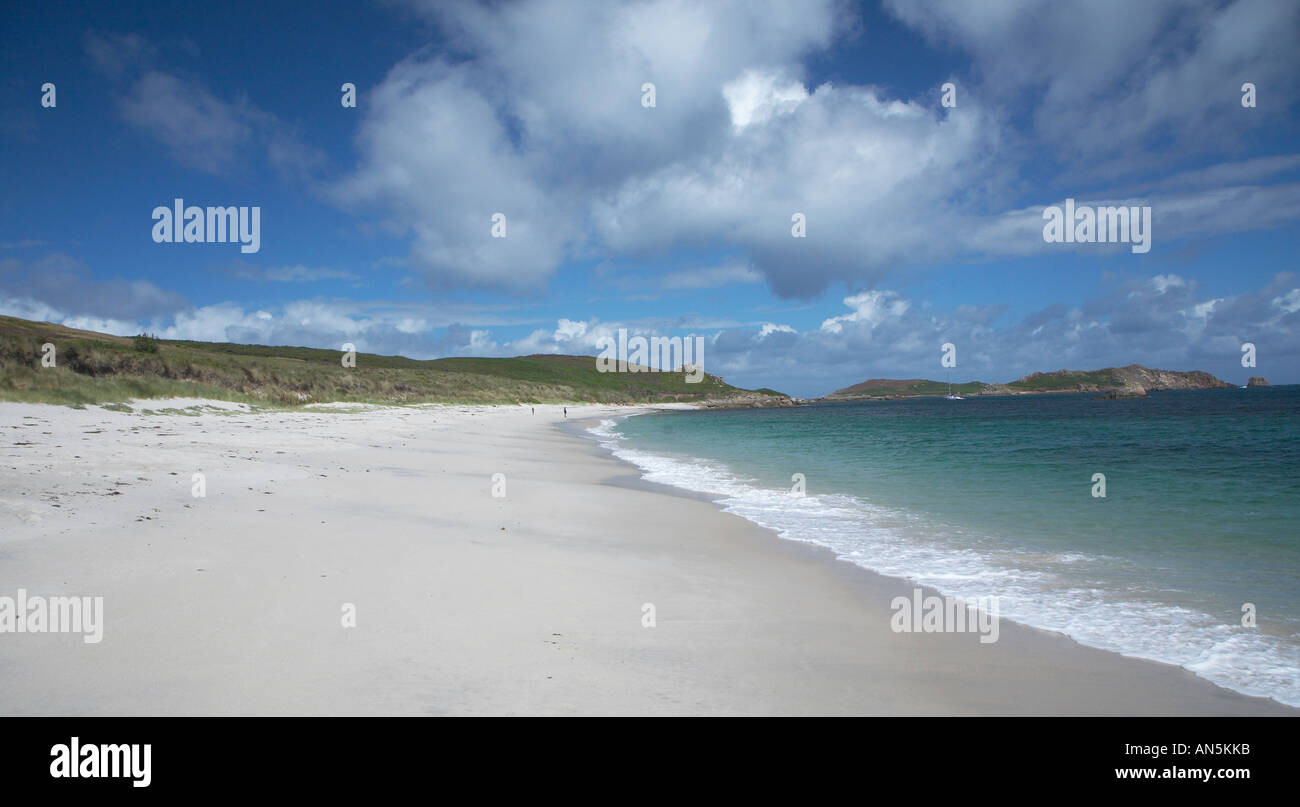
(566, 411)
(532, 409)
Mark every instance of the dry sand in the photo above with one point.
(465, 603)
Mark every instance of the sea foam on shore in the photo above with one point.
(1059, 592)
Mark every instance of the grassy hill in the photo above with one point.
(904, 387)
(1115, 378)
(1071, 380)
(98, 368)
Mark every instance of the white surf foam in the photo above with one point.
(1032, 590)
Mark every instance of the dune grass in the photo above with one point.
(94, 368)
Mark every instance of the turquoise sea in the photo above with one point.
(994, 497)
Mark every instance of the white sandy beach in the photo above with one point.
(465, 603)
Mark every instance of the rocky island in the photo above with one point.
(1133, 381)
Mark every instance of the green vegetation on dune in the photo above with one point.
(96, 368)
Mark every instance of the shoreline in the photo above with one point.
(635, 479)
(465, 603)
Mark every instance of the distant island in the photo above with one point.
(1133, 381)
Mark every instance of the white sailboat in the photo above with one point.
(950, 396)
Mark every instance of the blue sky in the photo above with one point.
(924, 222)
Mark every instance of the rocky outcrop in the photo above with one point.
(749, 402)
(1258, 381)
(1161, 380)
(1129, 390)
